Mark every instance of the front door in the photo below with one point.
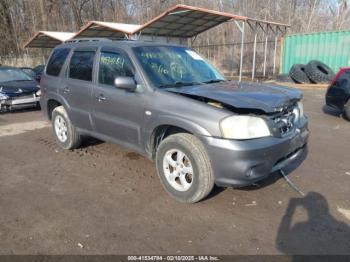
(117, 113)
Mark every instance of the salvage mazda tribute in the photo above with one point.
(169, 104)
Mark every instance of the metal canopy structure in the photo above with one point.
(106, 29)
(185, 21)
(180, 22)
(48, 39)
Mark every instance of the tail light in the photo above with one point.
(341, 71)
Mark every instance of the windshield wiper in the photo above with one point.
(214, 81)
(179, 84)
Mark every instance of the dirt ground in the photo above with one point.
(103, 199)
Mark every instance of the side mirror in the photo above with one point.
(126, 83)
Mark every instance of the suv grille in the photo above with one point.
(286, 120)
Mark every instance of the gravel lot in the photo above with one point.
(103, 199)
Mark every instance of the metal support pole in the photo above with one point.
(43, 56)
(241, 28)
(193, 39)
(281, 54)
(254, 55)
(274, 55)
(242, 51)
(267, 34)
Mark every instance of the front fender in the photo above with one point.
(170, 120)
(177, 121)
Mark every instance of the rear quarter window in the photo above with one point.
(56, 61)
(81, 65)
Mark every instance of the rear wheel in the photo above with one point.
(65, 133)
(346, 111)
(184, 168)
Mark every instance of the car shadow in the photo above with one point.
(90, 142)
(320, 234)
(216, 191)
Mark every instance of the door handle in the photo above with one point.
(66, 90)
(101, 98)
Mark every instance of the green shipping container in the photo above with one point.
(331, 48)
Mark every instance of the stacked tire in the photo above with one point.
(319, 72)
(314, 72)
(298, 74)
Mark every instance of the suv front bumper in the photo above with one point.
(241, 163)
(20, 101)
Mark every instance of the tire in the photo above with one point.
(197, 185)
(67, 137)
(297, 73)
(319, 72)
(346, 112)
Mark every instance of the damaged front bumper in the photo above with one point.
(241, 163)
(19, 101)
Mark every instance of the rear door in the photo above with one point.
(53, 76)
(78, 85)
(117, 113)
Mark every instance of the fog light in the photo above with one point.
(3, 96)
(249, 173)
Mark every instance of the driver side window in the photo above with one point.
(112, 65)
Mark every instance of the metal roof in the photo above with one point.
(106, 29)
(180, 21)
(185, 21)
(48, 39)
(188, 21)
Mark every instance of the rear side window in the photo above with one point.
(113, 65)
(56, 61)
(81, 65)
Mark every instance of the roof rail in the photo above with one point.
(90, 39)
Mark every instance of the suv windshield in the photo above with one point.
(172, 66)
(13, 74)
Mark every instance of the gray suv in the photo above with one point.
(169, 104)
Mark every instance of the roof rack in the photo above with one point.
(90, 39)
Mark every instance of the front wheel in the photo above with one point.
(184, 168)
(65, 133)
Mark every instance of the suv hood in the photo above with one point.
(19, 87)
(266, 97)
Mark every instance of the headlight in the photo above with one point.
(38, 93)
(301, 108)
(244, 127)
(3, 96)
(298, 112)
